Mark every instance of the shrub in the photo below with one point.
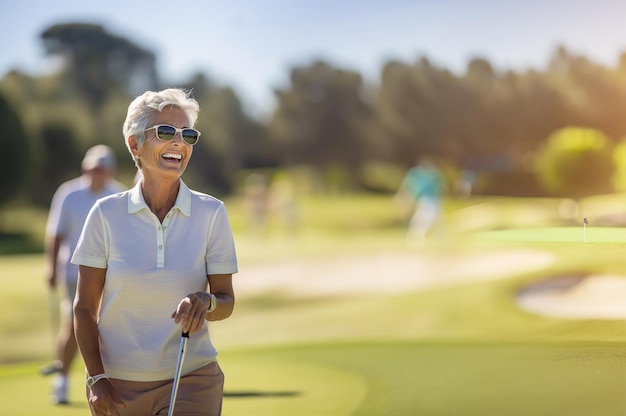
(576, 162)
(381, 177)
(619, 161)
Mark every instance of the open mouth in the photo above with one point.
(172, 157)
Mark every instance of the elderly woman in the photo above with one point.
(154, 261)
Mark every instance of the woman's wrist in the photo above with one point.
(211, 302)
(91, 380)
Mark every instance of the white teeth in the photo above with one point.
(172, 156)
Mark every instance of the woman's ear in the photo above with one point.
(133, 144)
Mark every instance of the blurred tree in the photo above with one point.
(513, 112)
(480, 72)
(576, 162)
(479, 134)
(485, 120)
(319, 119)
(200, 85)
(398, 109)
(424, 109)
(17, 153)
(230, 140)
(482, 121)
(98, 63)
(600, 92)
(62, 161)
(530, 107)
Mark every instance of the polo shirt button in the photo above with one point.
(159, 227)
(160, 247)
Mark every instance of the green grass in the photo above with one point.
(438, 378)
(22, 229)
(574, 235)
(459, 350)
(386, 378)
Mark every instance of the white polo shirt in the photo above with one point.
(150, 268)
(69, 208)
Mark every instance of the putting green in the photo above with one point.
(426, 378)
(261, 383)
(266, 383)
(558, 235)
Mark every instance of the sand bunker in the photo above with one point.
(385, 273)
(568, 297)
(577, 297)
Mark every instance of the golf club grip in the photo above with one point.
(185, 334)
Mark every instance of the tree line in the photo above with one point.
(347, 133)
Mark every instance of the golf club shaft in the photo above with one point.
(179, 366)
(53, 311)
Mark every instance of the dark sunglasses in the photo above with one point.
(165, 132)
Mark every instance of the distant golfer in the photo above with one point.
(70, 205)
(154, 261)
(422, 186)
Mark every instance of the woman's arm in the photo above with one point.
(102, 396)
(221, 285)
(86, 305)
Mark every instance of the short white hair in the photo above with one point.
(142, 109)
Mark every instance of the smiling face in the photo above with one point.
(164, 159)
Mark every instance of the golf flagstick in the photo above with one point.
(179, 366)
(585, 222)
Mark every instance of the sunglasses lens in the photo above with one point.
(190, 136)
(166, 132)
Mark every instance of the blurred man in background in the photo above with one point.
(422, 188)
(70, 205)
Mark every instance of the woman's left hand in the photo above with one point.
(191, 312)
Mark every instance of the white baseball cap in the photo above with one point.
(99, 156)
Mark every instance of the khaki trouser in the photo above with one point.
(200, 393)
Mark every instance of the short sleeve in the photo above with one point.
(55, 224)
(221, 257)
(92, 249)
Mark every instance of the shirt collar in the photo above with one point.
(136, 202)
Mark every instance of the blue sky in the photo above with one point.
(251, 44)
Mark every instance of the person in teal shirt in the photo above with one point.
(422, 187)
